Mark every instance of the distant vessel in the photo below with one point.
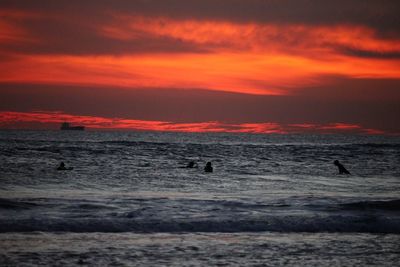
(66, 126)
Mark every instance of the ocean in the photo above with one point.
(272, 200)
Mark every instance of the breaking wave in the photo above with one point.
(379, 205)
(343, 224)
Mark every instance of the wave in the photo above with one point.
(90, 207)
(15, 205)
(392, 205)
(313, 224)
(135, 143)
(384, 145)
(250, 145)
(60, 149)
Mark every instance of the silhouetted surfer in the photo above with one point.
(63, 168)
(342, 169)
(192, 164)
(208, 167)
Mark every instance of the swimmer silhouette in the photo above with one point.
(192, 164)
(208, 167)
(63, 168)
(342, 169)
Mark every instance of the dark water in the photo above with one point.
(272, 199)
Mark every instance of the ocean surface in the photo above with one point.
(272, 200)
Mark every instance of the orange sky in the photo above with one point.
(245, 58)
(142, 48)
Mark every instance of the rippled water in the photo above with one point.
(272, 199)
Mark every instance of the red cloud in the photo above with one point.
(315, 41)
(14, 119)
(250, 58)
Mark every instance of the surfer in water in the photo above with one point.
(342, 169)
(192, 164)
(208, 167)
(63, 168)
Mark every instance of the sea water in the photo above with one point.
(129, 201)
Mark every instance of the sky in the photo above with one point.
(246, 66)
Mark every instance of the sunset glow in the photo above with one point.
(134, 49)
(93, 123)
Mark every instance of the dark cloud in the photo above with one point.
(354, 89)
(59, 36)
(355, 52)
(66, 27)
(382, 15)
(369, 102)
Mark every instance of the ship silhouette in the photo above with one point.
(65, 126)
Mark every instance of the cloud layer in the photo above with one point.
(40, 118)
(341, 57)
